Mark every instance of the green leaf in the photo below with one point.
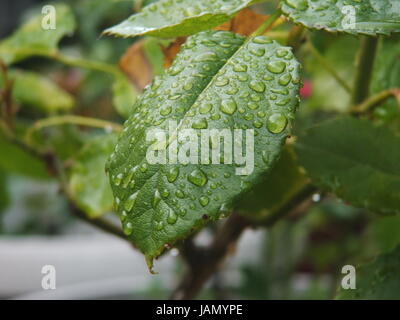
(14, 159)
(376, 280)
(383, 233)
(88, 183)
(31, 37)
(4, 193)
(338, 51)
(370, 17)
(356, 160)
(386, 71)
(282, 183)
(175, 18)
(31, 89)
(218, 81)
(124, 96)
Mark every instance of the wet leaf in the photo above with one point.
(281, 183)
(376, 280)
(176, 18)
(244, 23)
(369, 17)
(218, 81)
(356, 160)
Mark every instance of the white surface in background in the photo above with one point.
(93, 266)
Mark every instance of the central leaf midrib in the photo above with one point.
(159, 167)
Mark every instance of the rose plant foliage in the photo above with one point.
(341, 143)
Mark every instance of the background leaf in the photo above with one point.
(371, 16)
(377, 280)
(88, 184)
(386, 74)
(124, 96)
(172, 18)
(217, 81)
(33, 90)
(282, 182)
(356, 160)
(14, 159)
(31, 37)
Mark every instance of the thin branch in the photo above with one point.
(70, 61)
(203, 262)
(56, 169)
(298, 201)
(70, 119)
(365, 63)
(328, 67)
(100, 223)
(369, 104)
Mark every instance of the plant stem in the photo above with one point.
(86, 64)
(72, 61)
(328, 67)
(267, 24)
(70, 119)
(365, 63)
(99, 222)
(297, 201)
(375, 100)
(203, 262)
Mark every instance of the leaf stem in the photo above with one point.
(365, 63)
(71, 61)
(375, 100)
(267, 24)
(71, 119)
(328, 67)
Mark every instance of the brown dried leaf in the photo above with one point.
(244, 23)
(172, 50)
(136, 66)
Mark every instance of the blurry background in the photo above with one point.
(298, 258)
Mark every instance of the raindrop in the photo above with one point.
(172, 174)
(205, 108)
(172, 217)
(118, 179)
(123, 216)
(166, 111)
(228, 106)
(180, 194)
(221, 81)
(204, 201)
(240, 68)
(159, 225)
(156, 199)
(198, 178)
(276, 66)
(257, 86)
(200, 124)
(128, 228)
(130, 202)
(276, 123)
(259, 52)
(285, 79)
